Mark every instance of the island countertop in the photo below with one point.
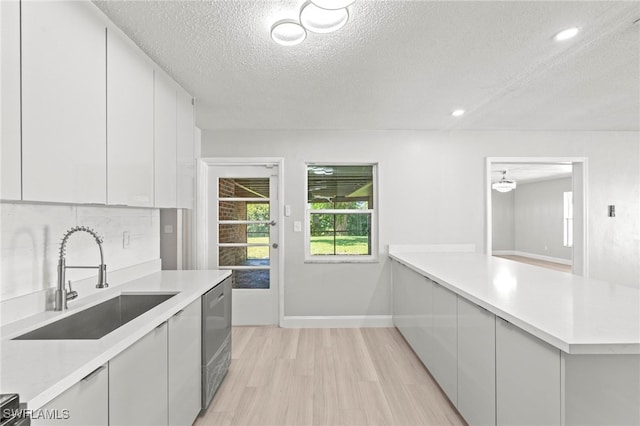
(40, 370)
(574, 314)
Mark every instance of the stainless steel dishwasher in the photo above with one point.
(216, 338)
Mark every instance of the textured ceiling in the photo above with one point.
(399, 64)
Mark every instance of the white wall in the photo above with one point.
(30, 236)
(502, 222)
(539, 218)
(432, 191)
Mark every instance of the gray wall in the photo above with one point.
(502, 221)
(538, 217)
(432, 191)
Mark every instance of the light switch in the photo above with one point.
(168, 229)
(287, 210)
(297, 226)
(126, 239)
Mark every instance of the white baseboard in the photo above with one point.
(532, 256)
(347, 321)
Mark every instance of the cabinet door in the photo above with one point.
(10, 179)
(476, 364)
(84, 404)
(165, 141)
(412, 306)
(63, 102)
(138, 382)
(129, 123)
(527, 378)
(185, 140)
(185, 363)
(444, 365)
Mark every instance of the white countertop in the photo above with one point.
(575, 314)
(40, 370)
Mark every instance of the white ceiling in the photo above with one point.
(529, 173)
(399, 64)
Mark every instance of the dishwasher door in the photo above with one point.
(216, 338)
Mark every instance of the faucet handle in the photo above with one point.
(71, 294)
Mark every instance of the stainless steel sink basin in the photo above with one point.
(99, 320)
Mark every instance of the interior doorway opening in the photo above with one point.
(536, 211)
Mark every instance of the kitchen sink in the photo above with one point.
(99, 320)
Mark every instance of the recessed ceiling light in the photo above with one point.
(319, 20)
(566, 34)
(333, 4)
(288, 33)
(458, 113)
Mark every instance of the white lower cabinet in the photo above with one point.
(138, 382)
(444, 351)
(412, 309)
(185, 365)
(476, 364)
(528, 380)
(84, 404)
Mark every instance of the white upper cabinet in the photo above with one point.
(63, 102)
(185, 139)
(165, 141)
(129, 123)
(10, 89)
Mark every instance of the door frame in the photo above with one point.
(202, 222)
(580, 185)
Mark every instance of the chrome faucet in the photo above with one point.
(62, 295)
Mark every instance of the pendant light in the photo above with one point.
(504, 184)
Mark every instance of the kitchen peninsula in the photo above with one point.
(511, 343)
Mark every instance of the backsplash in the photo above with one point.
(30, 236)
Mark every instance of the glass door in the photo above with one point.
(246, 239)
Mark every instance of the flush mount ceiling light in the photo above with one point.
(333, 4)
(458, 113)
(288, 33)
(319, 20)
(504, 184)
(566, 34)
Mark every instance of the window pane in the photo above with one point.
(340, 187)
(340, 234)
(243, 187)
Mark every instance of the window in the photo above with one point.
(340, 215)
(568, 219)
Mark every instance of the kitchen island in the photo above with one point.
(41, 370)
(511, 343)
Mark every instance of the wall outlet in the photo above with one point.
(126, 239)
(168, 229)
(297, 226)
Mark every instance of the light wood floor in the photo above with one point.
(543, 263)
(284, 376)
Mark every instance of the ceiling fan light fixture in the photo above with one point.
(288, 33)
(318, 20)
(504, 184)
(566, 34)
(333, 4)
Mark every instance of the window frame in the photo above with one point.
(567, 219)
(373, 211)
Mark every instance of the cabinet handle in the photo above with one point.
(93, 374)
(178, 313)
(221, 296)
(160, 325)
